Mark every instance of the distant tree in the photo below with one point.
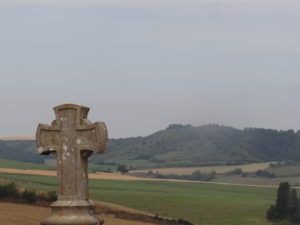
(108, 170)
(150, 173)
(122, 169)
(286, 204)
(264, 173)
(282, 202)
(177, 126)
(198, 175)
(236, 171)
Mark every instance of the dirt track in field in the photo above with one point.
(20, 214)
(98, 175)
(113, 176)
(252, 167)
(18, 138)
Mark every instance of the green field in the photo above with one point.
(6, 163)
(285, 171)
(208, 204)
(13, 164)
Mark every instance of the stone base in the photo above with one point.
(72, 213)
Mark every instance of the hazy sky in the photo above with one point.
(141, 65)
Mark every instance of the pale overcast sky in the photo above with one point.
(141, 65)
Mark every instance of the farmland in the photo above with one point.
(252, 167)
(6, 163)
(199, 203)
(20, 214)
(286, 171)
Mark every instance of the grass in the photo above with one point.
(285, 171)
(294, 180)
(210, 204)
(94, 167)
(6, 163)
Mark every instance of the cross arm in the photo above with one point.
(92, 137)
(47, 139)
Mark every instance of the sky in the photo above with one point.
(142, 65)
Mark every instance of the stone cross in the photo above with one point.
(72, 138)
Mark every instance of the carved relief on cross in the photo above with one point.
(72, 138)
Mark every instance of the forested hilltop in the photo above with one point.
(184, 145)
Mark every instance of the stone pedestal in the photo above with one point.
(72, 213)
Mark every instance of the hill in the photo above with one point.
(184, 145)
(20, 150)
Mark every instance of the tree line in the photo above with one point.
(196, 175)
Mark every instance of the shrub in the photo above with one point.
(197, 175)
(2, 192)
(179, 221)
(272, 213)
(52, 196)
(237, 171)
(29, 196)
(183, 222)
(263, 173)
(9, 191)
(123, 169)
(41, 196)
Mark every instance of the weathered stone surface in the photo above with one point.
(72, 138)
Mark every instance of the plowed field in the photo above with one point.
(19, 214)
